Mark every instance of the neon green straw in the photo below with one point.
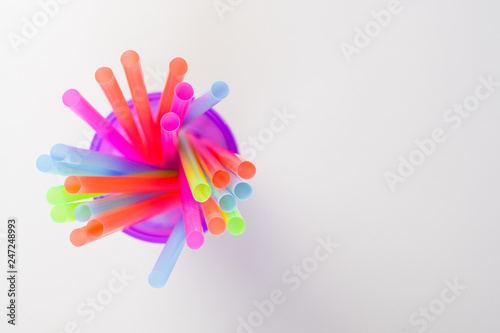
(235, 223)
(58, 195)
(64, 213)
(195, 177)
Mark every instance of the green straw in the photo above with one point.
(195, 177)
(235, 223)
(58, 195)
(64, 213)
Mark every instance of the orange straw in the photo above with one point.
(213, 168)
(133, 71)
(237, 164)
(119, 184)
(123, 218)
(177, 70)
(80, 237)
(213, 217)
(106, 79)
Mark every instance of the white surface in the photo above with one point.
(322, 175)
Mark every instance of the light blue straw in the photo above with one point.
(46, 164)
(224, 199)
(239, 188)
(217, 92)
(168, 256)
(90, 210)
(93, 159)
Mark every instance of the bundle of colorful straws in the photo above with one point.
(155, 165)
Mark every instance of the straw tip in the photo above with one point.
(78, 237)
(243, 191)
(72, 184)
(54, 195)
(95, 228)
(216, 226)
(202, 192)
(58, 214)
(227, 203)
(104, 75)
(195, 240)
(236, 226)
(82, 213)
(184, 91)
(221, 179)
(170, 122)
(220, 90)
(129, 58)
(44, 163)
(157, 279)
(58, 151)
(178, 66)
(246, 170)
(71, 97)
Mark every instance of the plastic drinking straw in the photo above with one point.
(64, 213)
(177, 70)
(223, 198)
(158, 173)
(45, 163)
(79, 105)
(94, 159)
(193, 228)
(133, 71)
(217, 92)
(235, 223)
(57, 195)
(196, 179)
(239, 188)
(215, 222)
(88, 210)
(170, 126)
(183, 94)
(237, 164)
(214, 170)
(106, 79)
(120, 184)
(168, 257)
(80, 237)
(122, 218)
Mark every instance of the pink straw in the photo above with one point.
(170, 126)
(183, 94)
(79, 105)
(177, 70)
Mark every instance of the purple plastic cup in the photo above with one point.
(210, 126)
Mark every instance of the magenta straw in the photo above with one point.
(170, 126)
(183, 94)
(79, 105)
(217, 92)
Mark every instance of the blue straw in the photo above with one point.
(217, 92)
(89, 210)
(239, 188)
(46, 164)
(93, 159)
(168, 257)
(224, 199)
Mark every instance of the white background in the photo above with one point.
(321, 176)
